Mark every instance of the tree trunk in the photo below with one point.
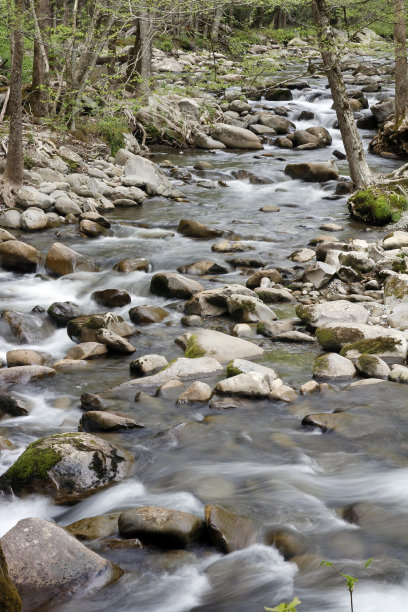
(401, 74)
(279, 18)
(328, 43)
(215, 29)
(39, 99)
(13, 173)
(140, 57)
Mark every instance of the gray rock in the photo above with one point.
(85, 328)
(357, 260)
(274, 294)
(204, 141)
(217, 345)
(372, 367)
(65, 206)
(313, 171)
(147, 364)
(86, 350)
(33, 219)
(242, 366)
(170, 284)
(247, 309)
(227, 531)
(235, 137)
(395, 300)
(399, 374)
(114, 342)
(213, 302)
(105, 421)
(18, 256)
(319, 274)
(27, 328)
(281, 392)
(337, 312)
(203, 267)
(22, 375)
(146, 174)
(144, 315)
(195, 229)
(30, 196)
(256, 278)
(333, 367)
(253, 384)
(23, 357)
(10, 218)
(62, 312)
(62, 260)
(382, 110)
(279, 124)
(197, 392)
(13, 406)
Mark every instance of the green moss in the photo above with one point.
(10, 599)
(333, 339)
(377, 206)
(72, 165)
(368, 364)
(260, 327)
(193, 349)
(371, 346)
(396, 287)
(303, 312)
(399, 265)
(320, 365)
(35, 462)
(29, 162)
(232, 370)
(168, 365)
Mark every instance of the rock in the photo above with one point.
(293, 336)
(5, 235)
(195, 229)
(95, 527)
(213, 302)
(10, 600)
(170, 389)
(227, 531)
(22, 375)
(23, 357)
(382, 110)
(203, 141)
(396, 300)
(64, 205)
(399, 374)
(372, 367)
(68, 467)
(278, 94)
(247, 262)
(241, 330)
(12, 406)
(27, 328)
(313, 171)
(147, 364)
(10, 218)
(125, 266)
(248, 309)
(333, 337)
(141, 172)
(270, 208)
(333, 367)
(33, 219)
(203, 165)
(338, 312)
(377, 206)
(391, 350)
(328, 421)
(395, 240)
(310, 387)
(55, 566)
(183, 368)
(170, 284)
(235, 137)
(114, 342)
(112, 297)
(160, 526)
(85, 328)
(357, 260)
(87, 350)
(279, 124)
(168, 64)
(69, 364)
(62, 260)
(250, 385)
(197, 392)
(274, 295)
(105, 421)
(272, 329)
(203, 267)
(226, 246)
(18, 256)
(91, 228)
(288, 542)
(28, 196)
(147, 314)
(242, 366)
(302, 255)
(221, 347)
(323, 136)
(281, 392)
(62, 312)
(319, 274)
(255, 279)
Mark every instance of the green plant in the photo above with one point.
(351, 581)
(285, 607)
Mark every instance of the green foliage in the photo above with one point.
(285, 607)
(193, 349)
(351, 581)
(29, 162)
(377, 206)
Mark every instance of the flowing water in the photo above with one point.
(256, 459)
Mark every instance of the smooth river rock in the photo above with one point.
(218, 345)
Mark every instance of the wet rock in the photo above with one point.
(309, 387)
(5, 444)
(227, 246)
(10, 218)
(278, 94)
(269, 208)
(147, 364)
(70, 364)
(224, 403)
(227, 531)
(281, 125)
(62, 312)
(288, 542)
(125, 266)
(91, 228)
(28, 196)
(87, 350)
(23, 357)
(90, 401)
(328, 421)
(203, 165)
(203, 141)
(116, 544)
(18, 256)
(213, 302)
(27, 328)
(391, 350)
(95, 527)
(195, 229)
(383, 109)
(105, 421)
(247, 262)
(242, 366)
(22, 375)
(372, 367)
(12, 406)
(255, 279)
(203, 267)
(5, 235)
(333, 367)
(241, 330)
(319, 274)
(62, 260)
(221, 347)
(68, 467)
(313, 171)
(293, 336)
(247, 309)
(85, 328)
(274, 294)
(191, 321)
(141, 172)
(170, 284)
(197, 392)
(33, 219)
(235, 137)
(399, 374)
(395, 240)
(357, 260)
(250, 385)
(272, 329)
(74, 569)
(338, 312)
(147, 314)
(112, 297)
(302, 255)
(170, 389)
(9, 598)
(115, 342)
(281, 392)
(160, 526)
(396, 300)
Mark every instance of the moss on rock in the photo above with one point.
(33, 464)
(377, 205)
(368, 364)
(371, 346)
(231, 370)
(9, 598)
(193, 348)
(334, 338)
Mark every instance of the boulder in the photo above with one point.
(235, 137)
(383, 109)
(33, 219)
(197, 392)
(242, 366)
(281, 392)
(86, 350)
(54, 566)
(313, 171)
(141, 172)
(161, 526)
(399, 374)
(63, 312)
(105, 421)
(218, 345)
(255, 279)
(319, 274)
(125, 266)
(147, 364)
(203, 267)
(10, 218)
(23, 357)
(204, 141)
(12, 406)
(170, 284)
(214, 302)
(279, 94)
(252, 385)
(195, 229)
(273, 329)
(280, 125)
(64, 205)
(91, 228)
(395, 240)
(333, 367)
(5, 235)
(112, 297)
(377, 206)
(247, 309)
(390, 349)
(227, 531)
(372, 367)
(333, 337)
(22, 375)
(114, 342)
(62, 260)
(18, 256)
(396, 300)
(85, 328)
(144, 315)
(337, 312)
(10, 600)
(95, 527)
(68, 467)
(26, 328)
(28, 196)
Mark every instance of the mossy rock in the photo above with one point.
(377, 206)
(396, 287)
(368, 364)
(231, 370)
(10, 600)
(334, 338)
(371, 346)
(304, 314)
(193, 348)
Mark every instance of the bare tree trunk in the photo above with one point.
(279, 18)
(401, 74)
(215, 29)
(359, 171)
(43, 20)
(13, 173)
(140, 58)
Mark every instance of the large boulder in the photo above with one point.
(33, 219)
(217, 345)
(62, 260)
(22, 375)
(145, 314)
(170, 284)
(214, 302)
(333, 367)
(227, 531)
(28, 196)
(10, 600)
(48, 564)
(338, 312)
(253, 385)
(85, 328)
(26, 328)
(18, 256)
(332, 337)
(396, 300)
(383, 109)
(141, 172)
(68, 467)
(280, 125)
(195, 229)
(377, 206)
(63, 312)
(313, 172)
(235, 137)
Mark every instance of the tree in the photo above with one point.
(401, 74)
(41, 16)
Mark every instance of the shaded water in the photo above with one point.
(256, 459)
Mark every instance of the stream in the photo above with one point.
(255, 460)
